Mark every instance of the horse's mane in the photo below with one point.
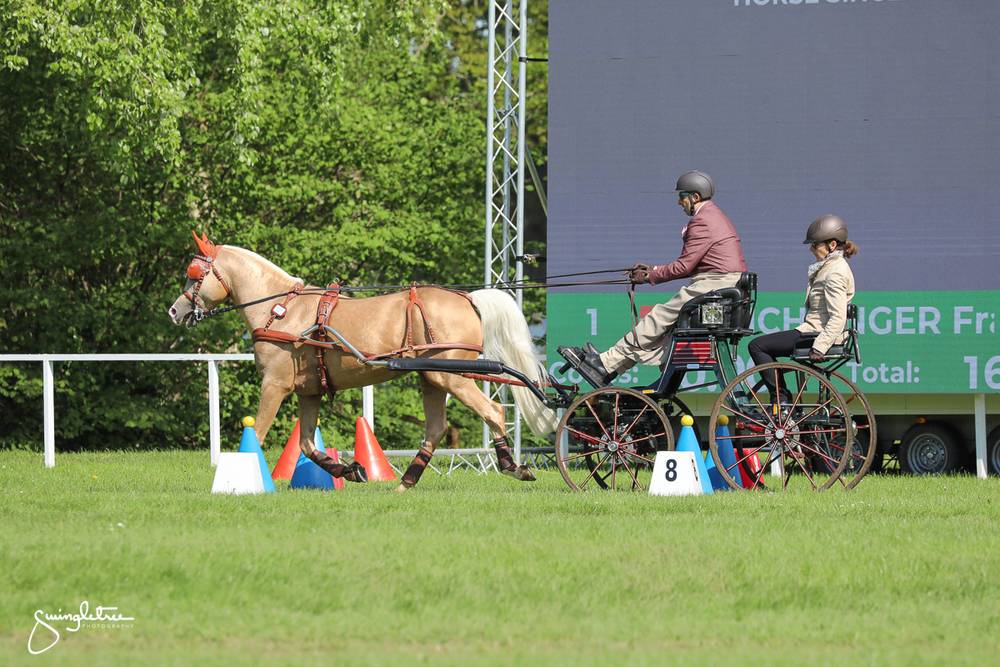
(266, 262)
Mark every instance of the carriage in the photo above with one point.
(823, 436)
(607, 438)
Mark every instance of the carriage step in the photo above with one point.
(446, 365)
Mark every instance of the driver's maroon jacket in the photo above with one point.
(711, 245)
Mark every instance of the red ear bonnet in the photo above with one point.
(205, 247)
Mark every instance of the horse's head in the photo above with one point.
(205, 286)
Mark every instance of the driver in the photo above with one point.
(712, 257)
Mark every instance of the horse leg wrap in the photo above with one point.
(505, 461)
(416, 468)
(354, 472)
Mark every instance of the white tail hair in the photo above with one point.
(506, 338)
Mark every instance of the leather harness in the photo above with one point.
(316, 336)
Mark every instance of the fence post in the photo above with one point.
(213, 411)
(982, 469)
(48, 400)
(368, 405)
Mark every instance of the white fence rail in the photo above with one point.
(48, 390)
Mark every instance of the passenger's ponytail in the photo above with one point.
(850, 249)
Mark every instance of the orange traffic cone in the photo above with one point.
(285, 467)
(750, 468)
(368, 453)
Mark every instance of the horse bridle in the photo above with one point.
(198, 270)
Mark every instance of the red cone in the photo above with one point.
(749, 468)
(285, 467)
(368, 453)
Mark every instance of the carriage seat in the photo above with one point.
(728, 309)
(846, 350)
(804, 345)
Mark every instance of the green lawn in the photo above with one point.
(483, 570)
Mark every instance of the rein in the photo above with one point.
(300, 291)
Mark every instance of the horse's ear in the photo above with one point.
(205, 247)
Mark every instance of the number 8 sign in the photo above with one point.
(675, 474)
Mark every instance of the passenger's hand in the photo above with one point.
(815, 355)
(639, 274)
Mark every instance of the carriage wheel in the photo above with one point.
(805, 438)
(608, 439)
(865, 443)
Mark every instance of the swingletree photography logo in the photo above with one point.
(46, 632)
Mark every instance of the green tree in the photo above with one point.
(341, 140)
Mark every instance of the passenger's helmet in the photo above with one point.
(828, 227)
(696, 181)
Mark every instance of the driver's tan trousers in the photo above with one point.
(654, 327)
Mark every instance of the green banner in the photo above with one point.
(911, 342)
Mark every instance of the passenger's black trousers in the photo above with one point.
(767, 348)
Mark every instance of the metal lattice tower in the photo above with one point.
(504, 256)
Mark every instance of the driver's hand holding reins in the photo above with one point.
(638, 274)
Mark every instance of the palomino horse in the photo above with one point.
(429, 322)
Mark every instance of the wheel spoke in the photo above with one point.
(762, 409)
(634, 421)
(582, 454)
(635, 480)
(833, 461)
(800, 461)
(647, 437)
(747, 436)
(753, 453)
(596, 468)
(640, 456)
(597, 419)
(581, 434)
(818, 431)
(747, 417)
(763, 468)
(817, 409)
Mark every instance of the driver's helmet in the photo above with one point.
(696, 181)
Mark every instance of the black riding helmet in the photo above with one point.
(827, 227)
(696, 181)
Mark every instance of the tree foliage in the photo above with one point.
(343, 140)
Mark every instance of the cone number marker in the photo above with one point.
(675, 474)
(671, 473)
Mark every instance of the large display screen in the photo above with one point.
(884, 112)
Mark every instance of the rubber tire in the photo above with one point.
(930, 434)
(993, 451)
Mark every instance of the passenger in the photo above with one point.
(829, 290)
(712, 257)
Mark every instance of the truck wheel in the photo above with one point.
(993, 451)
(929, 449)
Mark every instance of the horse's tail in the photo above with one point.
(506, 338)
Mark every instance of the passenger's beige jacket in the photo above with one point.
(827, 296)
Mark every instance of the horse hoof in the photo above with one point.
(521, 473)
(401, 488)
(356, 473)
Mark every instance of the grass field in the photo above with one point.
(483, 570)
